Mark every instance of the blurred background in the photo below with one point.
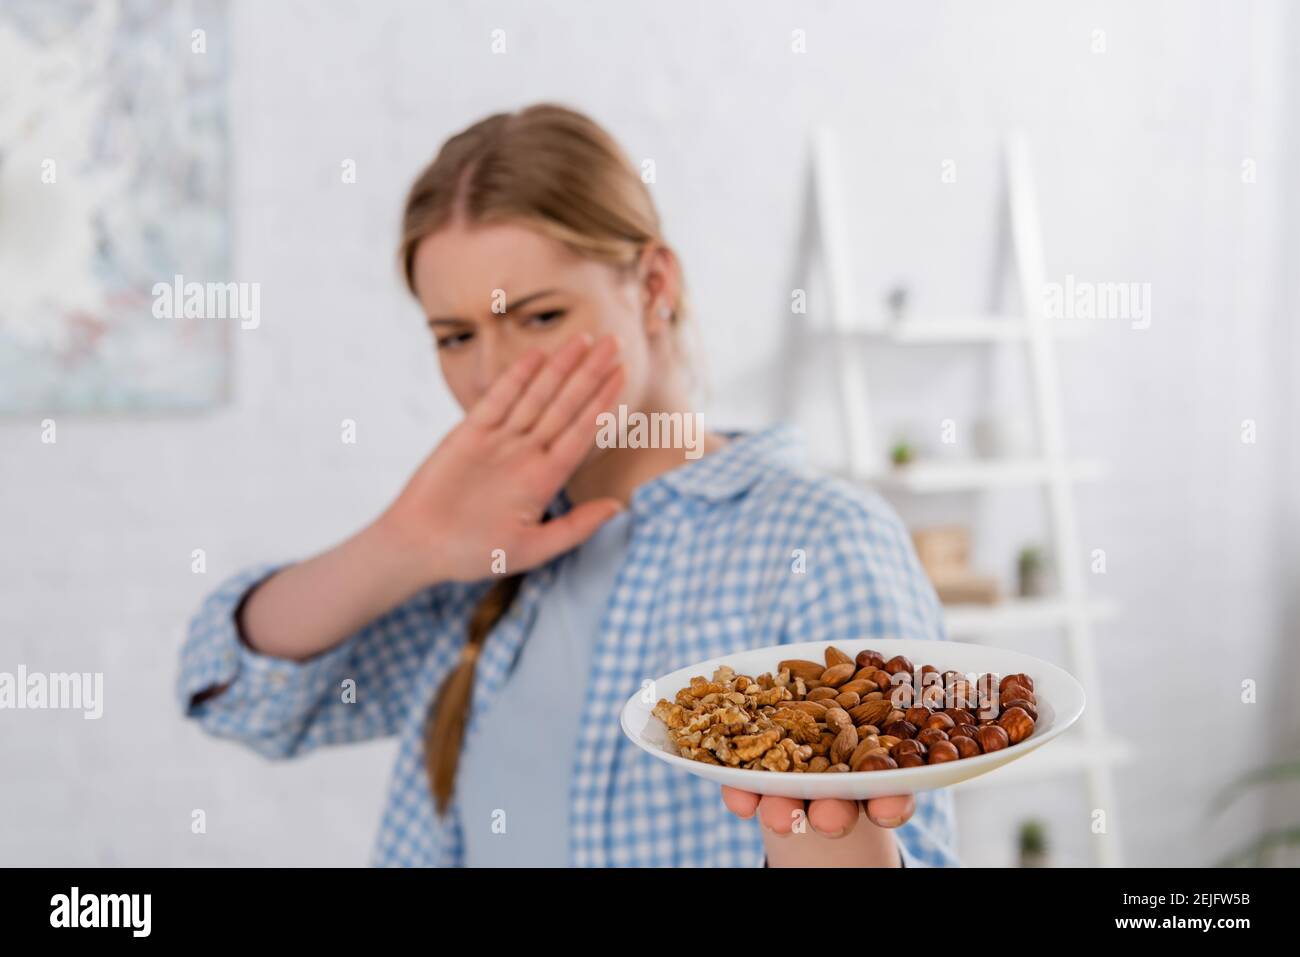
(859, 193)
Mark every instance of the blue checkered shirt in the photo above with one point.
(741, 548)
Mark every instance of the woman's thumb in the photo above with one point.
(575, 526)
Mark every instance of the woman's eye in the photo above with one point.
(545, 318)
(453, 341)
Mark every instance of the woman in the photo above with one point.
(528, 579)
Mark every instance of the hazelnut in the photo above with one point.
(900, 729)
(872, 658)
(898, 665)
(1019, 678)
(902, 696)
(965, 731)
(932, 698)
(941, 721)
(875, 761)
(928, 736)
(907, 746)
(1017, 691)
(1017, 724)
(883, 679)
(943, 751)
(1024, 705)
(966, 747)
(961, 695)
(917, 715)
(993, 738)
(911, 760)
(959, 715)
(927, 670)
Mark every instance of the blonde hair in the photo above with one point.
(557, 171)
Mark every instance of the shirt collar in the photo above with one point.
(718, 476)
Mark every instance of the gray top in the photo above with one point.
(514, 776)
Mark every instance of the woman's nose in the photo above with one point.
(494, 357)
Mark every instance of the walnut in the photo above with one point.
(701, 688)
(776, 759)
(800, 725)
(731, 719)
(750, 746)
(673, 715)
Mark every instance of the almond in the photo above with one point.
(837, 719)
(872, 712)
(836, 675)
(814, 708)
(846, 742)
(836, 657)
(802, 668)
(858, 686)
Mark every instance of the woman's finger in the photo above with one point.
(490, 410)
(743, 804)
(779, 814)
(892, 811)
(833, 818)
(568, 531)
(540, 391)
(577, 391)
(577, 437)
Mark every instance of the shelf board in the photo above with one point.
(963, 329)
(1021, 614)
(1062, 756)
(956, 476)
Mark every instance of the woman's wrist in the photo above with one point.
(401, 563)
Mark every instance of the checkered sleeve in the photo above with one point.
(864, 581)
(282, 708)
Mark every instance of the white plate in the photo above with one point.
(1060, 702)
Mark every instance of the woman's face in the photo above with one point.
(466, 277)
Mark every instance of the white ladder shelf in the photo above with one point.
(823, 238)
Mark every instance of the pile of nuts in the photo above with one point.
(849, 714)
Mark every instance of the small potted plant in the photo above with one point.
(902, 453)
(1032, 572)
(1033, 844)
